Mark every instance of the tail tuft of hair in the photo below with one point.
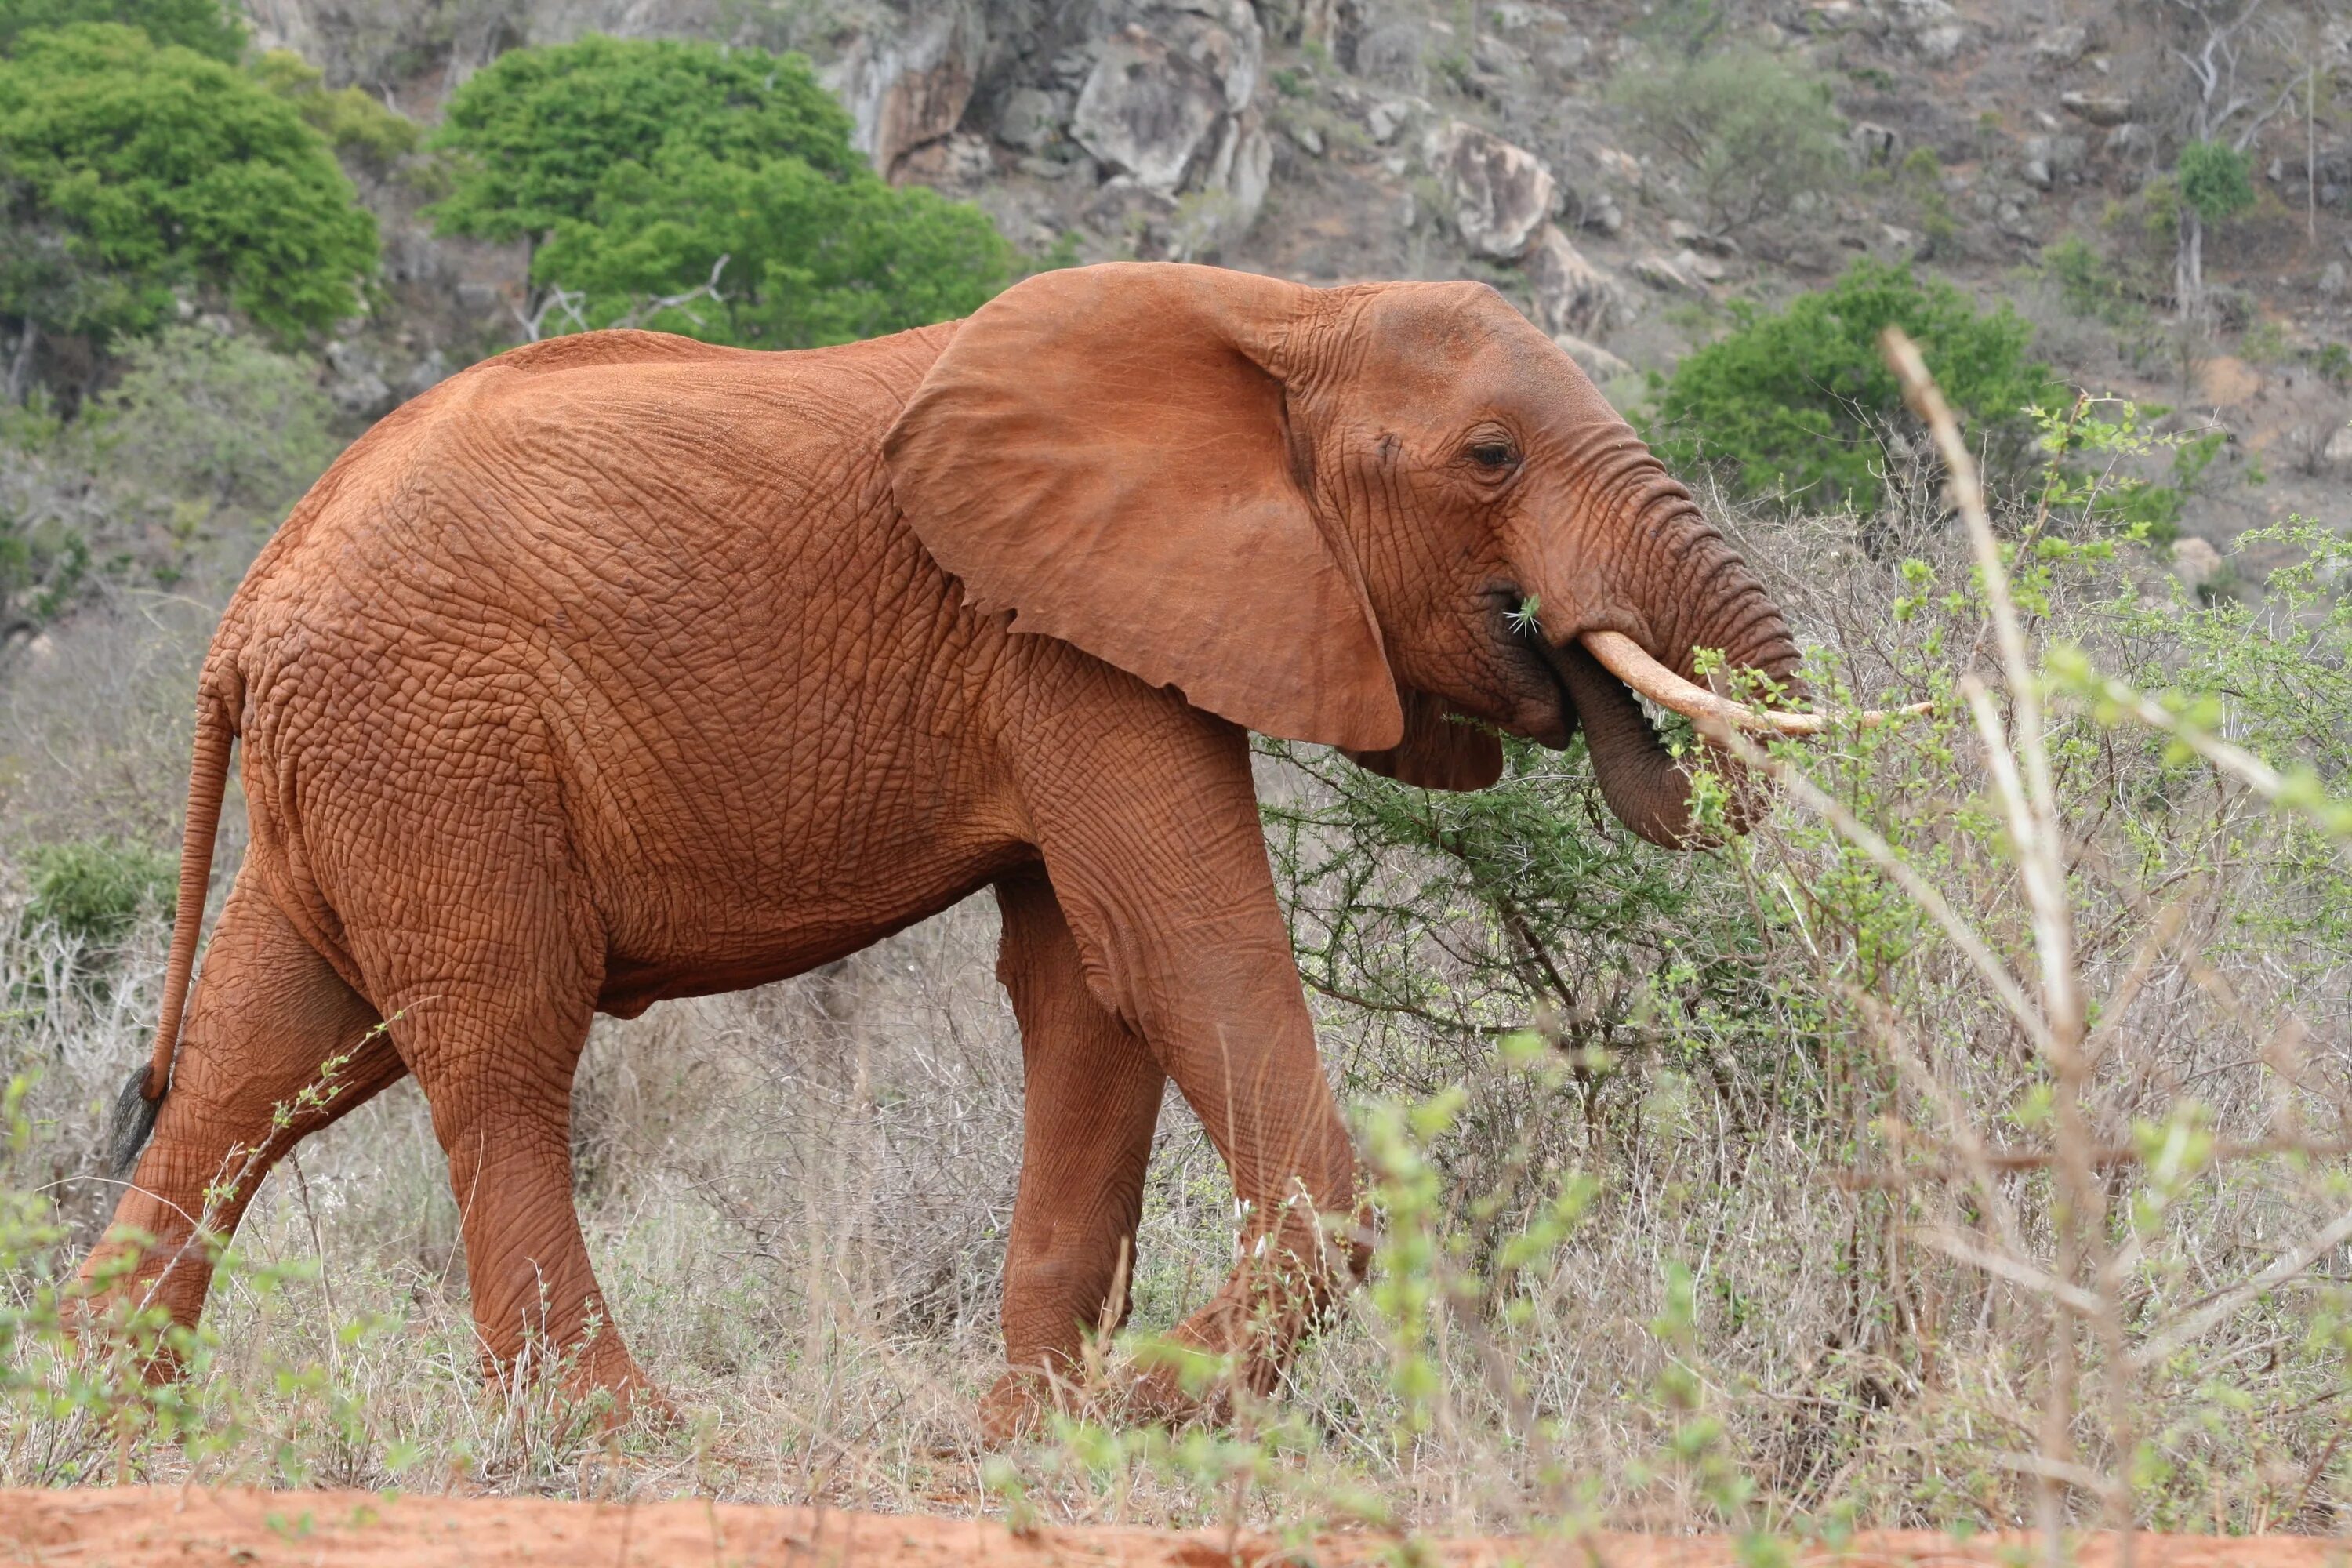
(133, 1121)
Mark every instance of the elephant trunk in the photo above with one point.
(1693, 592)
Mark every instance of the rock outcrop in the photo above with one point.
(908, 82)
(1500, 196)
(1572, 295)
(1169, 107)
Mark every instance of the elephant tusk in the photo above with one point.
(1625, 659)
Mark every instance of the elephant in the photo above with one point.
(622, 666)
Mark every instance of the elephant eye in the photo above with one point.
(1493, 454)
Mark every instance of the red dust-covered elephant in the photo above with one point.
(621, 667)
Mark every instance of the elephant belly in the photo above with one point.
(794, 941)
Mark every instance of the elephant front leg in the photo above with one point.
(1091, 1097)
(1159, 865)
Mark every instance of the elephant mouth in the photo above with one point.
(1582, 660)
(1598, 680)
(1541, 661)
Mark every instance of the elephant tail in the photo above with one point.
(142, 1095)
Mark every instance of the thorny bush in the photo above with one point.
(1718, 1190)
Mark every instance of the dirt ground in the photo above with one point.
(201, 1529)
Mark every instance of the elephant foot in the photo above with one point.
(1017, 1405)
(1023, 1401)
(600, 1373)
(634, 1400)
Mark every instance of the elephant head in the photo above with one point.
(1352, 515)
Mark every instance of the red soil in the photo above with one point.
(137, 1527)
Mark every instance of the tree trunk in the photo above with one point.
(20, 364)
(2189, 268)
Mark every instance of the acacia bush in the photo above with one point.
(205, 26)
(1753, 133)
(705, 191)
(1798, 403)
(97, 889)
(132, 171)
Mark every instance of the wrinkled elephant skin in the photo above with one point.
(622, 668)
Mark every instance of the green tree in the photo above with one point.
(350, 118)
(2214, 186)
(788, 257)
(207, 27)
(1800, 398)
(131, 171)
(707, 191)
(532, 137)
(1753, 132)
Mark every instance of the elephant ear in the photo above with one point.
(1104, 451)
(1438, 751)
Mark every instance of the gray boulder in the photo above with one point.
(1930, 29)
(1572, 294)
(2196, 563)
(957, 164)
(1875, 145)
(1500, 196)
(1167, 104)
(2061, 45)
(1031, 118)
(355, 382)
(2102, 109)
(908, 84)
(1147, 109)
(1592, 359)
(1658, 272)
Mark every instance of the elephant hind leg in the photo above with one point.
(1091, 1097)
(494, 1037)
(272, 1029)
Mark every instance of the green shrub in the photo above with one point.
(206, 26)
(130, 171)
(532, 137)
(2091, 284)
(182, 466)
(1800, 399)
(98, 889)
(350, 118)
(808, 259)
(2214, 180)
(199, 414)
(1921, 176)
(1754, 132)
(722, 182)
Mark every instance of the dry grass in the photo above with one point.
(1965, 1147)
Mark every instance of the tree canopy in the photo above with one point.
(536, 132)
(702, 191)
(130, 170)
(1800, 398)
(1753, 132)
(2214, 181)
(206, 26)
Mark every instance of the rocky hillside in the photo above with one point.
(1332, 140)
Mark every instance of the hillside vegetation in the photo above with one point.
(1971, 1145)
